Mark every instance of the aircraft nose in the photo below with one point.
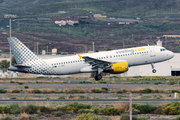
(171, 54)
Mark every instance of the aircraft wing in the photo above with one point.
(95, 63)
(22, 66)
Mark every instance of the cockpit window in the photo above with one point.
(163, 49)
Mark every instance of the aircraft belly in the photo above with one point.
(69, 69)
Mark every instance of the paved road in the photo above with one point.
(93, 101)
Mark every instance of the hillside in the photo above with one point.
(130, 8)
(147, 29)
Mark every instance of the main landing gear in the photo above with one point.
(98, 74)
(98, 77)
(154, 70)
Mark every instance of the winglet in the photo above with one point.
(80, 56)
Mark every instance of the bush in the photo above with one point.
(171, 83)
(92, 90)
(172, 109)
(16, 91)
(102, 82)
(30, 109)
(37, 91)
(148, 90)
(58, 114)
(27, 117)
(127, 117)
(88, 116)
(6, 118)
(61, 98)
(46, 110)
(77, 90)
(26, 87)
(4, 108)
(173, 91)
(11, 81)
(96, 109)
(144, 108)
(85, 111)
(3, 91)
(20, 83)
(85, 82)
(98, 90)
(103, 88)
(74, 107)
(62, 108)
(15, 109)
(111, 111)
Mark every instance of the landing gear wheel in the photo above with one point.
(98, 77)
(154, 70)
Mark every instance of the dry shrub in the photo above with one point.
(92, 90)
(13, 91)
(51, 90)
(60, 91)
(30, 90)
(62, 81)
(57, 81)
(86, 90)
(44, 90)
(25, 116)
(124, 90)
(66, 90)
(39, 81)
(10, 90)
(121, 106)
(48, 82)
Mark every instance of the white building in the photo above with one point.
(167, 68)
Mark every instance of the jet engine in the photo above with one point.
(117, 68)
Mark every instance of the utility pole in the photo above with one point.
(37, 48)
(47, 49)
(93, 46)
(10, 16)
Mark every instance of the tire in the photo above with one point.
(98, 77)
(154, 70)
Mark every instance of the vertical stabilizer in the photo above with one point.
(21, 53)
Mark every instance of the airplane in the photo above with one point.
(113, 62)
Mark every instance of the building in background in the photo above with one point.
(54, 51)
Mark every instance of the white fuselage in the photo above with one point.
(133, 56)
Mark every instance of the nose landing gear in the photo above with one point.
(98, 74)
(154, 70)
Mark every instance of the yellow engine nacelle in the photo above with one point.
(117, 68)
